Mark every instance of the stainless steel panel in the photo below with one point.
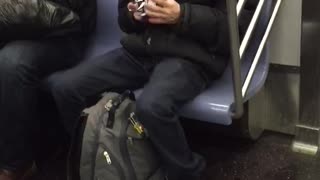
(286, 34)
(276, 106)
(309, 122)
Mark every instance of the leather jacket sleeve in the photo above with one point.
(26, 17)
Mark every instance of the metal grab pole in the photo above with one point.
(260, 49)
(240, 6)
(251, 27)
(235, 57)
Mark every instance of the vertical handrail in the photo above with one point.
(251, 27)
(237, 50)
(235, 57)
(260, 49)
(240, 6)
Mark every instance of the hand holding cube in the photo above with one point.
(156, 11)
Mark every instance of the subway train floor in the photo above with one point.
(230, 158)
(269, 158)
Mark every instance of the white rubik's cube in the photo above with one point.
(141, 4)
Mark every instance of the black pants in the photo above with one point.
(168, 84)
(23, 66)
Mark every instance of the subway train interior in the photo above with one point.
(260, 120)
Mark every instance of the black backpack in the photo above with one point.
(111, 144)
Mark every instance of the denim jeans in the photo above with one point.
(23, 66)
(168, 83)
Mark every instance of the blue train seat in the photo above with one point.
(213, 105)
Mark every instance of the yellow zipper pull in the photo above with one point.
(136, 125)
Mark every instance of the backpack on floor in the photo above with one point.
(111, 144)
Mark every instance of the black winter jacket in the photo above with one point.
(37, 18)
(200, 37)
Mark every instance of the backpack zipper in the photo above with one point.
(124, 149)
(111, 160)
(112, 105)
(107, 156)
(96, 146)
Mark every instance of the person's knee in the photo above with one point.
(59, 86)
(151, 110)
(12, 69)
(7, 66)
(16, 63)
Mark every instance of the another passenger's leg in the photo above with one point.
(23, 64)
(173, 83)
(116, 71)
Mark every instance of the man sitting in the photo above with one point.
(37, 38)
(174, 53)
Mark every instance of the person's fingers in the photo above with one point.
(132, 6)
(157, 21)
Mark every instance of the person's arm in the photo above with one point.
(202, 23)
(126, 20)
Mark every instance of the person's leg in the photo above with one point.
(114, 71)
(173, 83)
(23, 64)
